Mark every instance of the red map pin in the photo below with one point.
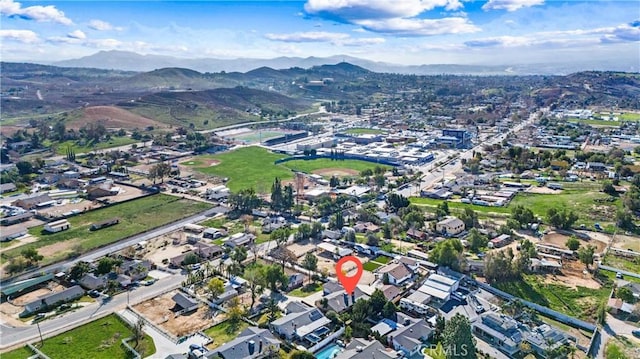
(349, 283)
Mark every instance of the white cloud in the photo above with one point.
(364, 41)
(348, 10)
(100, 25)
(77, 35)
(311, 36)
(510, 5)
(420, 27)
(24, 36)
(37, 12)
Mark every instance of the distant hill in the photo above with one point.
(124, 60)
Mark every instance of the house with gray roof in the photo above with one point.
(301, 322)
(184, 302)
(410, 338)
(252, 343)
(339, 301)
(500, 331)
(361, 348)
(52, 300)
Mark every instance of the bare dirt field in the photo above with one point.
(627, 242)
(156, 250)
(114, 117)
(300, 249)
(559, 240)
(158, 310)
(572, 276)
(8, 131)
(31, 296)
(338, 172)
(68, 205)
(52, 249)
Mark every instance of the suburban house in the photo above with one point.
(390, 292)
(416, 302)
(410, 338)
(439, 287)
(500, 331)
(102, 224)
(295, 280)
(416, 234)
(184, 303)
(360, 348)
(136, 269)
(33, 202)
(102, 190)
(544, 338)
(90, 281)
(251, 343)
(411, 263)
(366, 227)
(57, 226)
(7, 187)
(18, 218)
(450, 226)
(213, 233)
(52, 300)
(300, 322)
(339, 301)
(239, 239)
(397, 273)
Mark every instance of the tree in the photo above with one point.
(625, 294)
(31, 255)
(442, 210)
(281, 235)
(299, 354)
(470, 218)
(523, 215)
(477, 240)
(561, 219)
(608, 188)
(256, 278)
(215, 287)
(276, 195)
(337, 221)
(275, 276)
(447, 253)
(238, 255)
(316, 231)
(310, 263)
(585, 254)
(348, 333)
(106, 264)
(372, 239)
(396, 201)
(245, 201)
(377, 301)
(389, 311)
(457, 339)
(334, 182)
(138, 331)
(385, 278)
(573, 243)
(24, 168)
(439, 329)
(160, 170)
(235, 313)
(79, 270)
(304, 232)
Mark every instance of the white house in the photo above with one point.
(450, 226)
(398, 273)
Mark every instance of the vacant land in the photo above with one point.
(223, 333)
(112, 117)
(363, 131)
(630, 264)
(99, 339)
(578, 302)
(321, 164)
(78, 147)
(245, 167)
(135, 217)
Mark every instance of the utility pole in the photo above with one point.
(40, 332)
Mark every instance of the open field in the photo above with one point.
(363, 131)
(135, 217)
(115, 141)
(325, 165)
(245, 167)
(222, 333)
(627, 264)
(112, 117)
(582, 202)
(579, 302)
(629, 116)
(98, 339)
(595, 122)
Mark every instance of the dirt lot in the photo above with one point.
(572, 276)
(67, 205)
(156, 251)
(9, 310)
(598, 240)
(158, 311)
(543, 190)
(338, 172)
(300, 249)
(627, 242)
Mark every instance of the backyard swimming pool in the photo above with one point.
(329, 352)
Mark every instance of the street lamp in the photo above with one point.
(40, 332)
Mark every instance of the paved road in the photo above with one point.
(13, 336)
(101, 252)
(613, 328)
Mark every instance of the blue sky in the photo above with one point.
(396, 31)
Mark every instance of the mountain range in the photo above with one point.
(131, 61)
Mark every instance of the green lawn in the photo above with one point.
(430, 202)
(595, 122)
(581, 302)
(221, 333)
(628, 116)
(612, 276)
(98, 339)
(135, 216)
(20, 353)
(245, 167)
(309, 166)
(363, 131)
(61, 148)
(382, 259)
(306, 290)
(623, 263)
(371, 266)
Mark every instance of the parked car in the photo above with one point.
(479, 309)
(636, 333)
(619, 275)
(94, 293)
